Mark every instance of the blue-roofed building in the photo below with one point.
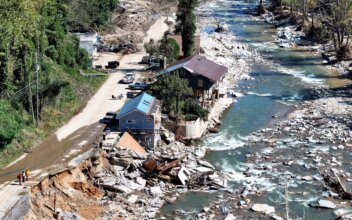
(142, 116)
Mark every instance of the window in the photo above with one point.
(149, 118)
(200, 83)
(131, 121)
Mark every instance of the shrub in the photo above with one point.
(192, 108)
(11, 122)
(318, 34)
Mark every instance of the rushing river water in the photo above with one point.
(273, 89)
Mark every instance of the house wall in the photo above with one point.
(136, 120)
(189, 130)
(193, 80)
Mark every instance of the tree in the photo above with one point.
(152, 48)
(171, 89)
(166, 47)
(193, 110)
(10, 122)
(311, 6)
(338, 17)
(169, 48)
(87, 15)
(186, 24)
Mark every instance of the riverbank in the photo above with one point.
(315, 141)
(259, 164)
(293, 32)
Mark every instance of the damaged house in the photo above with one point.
(89, 42)
(204, 77)
(141, 116)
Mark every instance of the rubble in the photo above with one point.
(140, 182)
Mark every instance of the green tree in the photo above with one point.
(186, 24)
(10, 122)
(152, 48)
(170, 49)
(193, 110)
(171, 90)
(87, 15)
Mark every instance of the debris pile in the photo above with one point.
(124, 182)
(136, 18)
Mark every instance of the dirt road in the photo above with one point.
(101, 102)
(79, 133)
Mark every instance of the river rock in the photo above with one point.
(307, 178)
(230, 217)
(263, 208)
(170, 200)
(326, 204)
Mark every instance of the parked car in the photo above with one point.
(127, 79)
(138, 85)
(131, 95)
(112, 65)
(145, 60)
(109, 117)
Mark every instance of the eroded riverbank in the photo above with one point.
(281, 79)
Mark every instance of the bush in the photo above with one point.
(193, 110)
(83, 58)
(173, 50)
(11, 122)
(318, 34)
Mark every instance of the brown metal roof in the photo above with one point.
(199, 65)
(207, 68)
(177, 62)
(128, 142)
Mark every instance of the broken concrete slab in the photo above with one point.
(132, 199)
(156, 190)
(206, 164)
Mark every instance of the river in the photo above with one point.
(285, 82)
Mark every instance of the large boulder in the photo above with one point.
(326, 204)
(263, 208)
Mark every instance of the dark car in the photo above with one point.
(109, 117)
(138, 85)
(112, 65)
(131, 95)
(145, 60)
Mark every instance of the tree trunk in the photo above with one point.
(304, 10)
(177, 109)
(29, 95)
